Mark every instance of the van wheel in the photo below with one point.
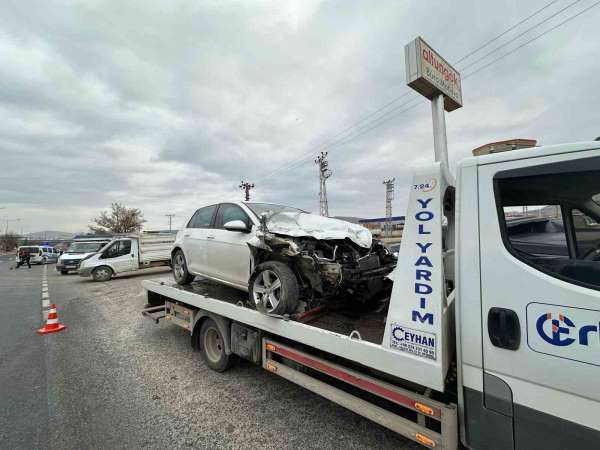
(212, 347)
(180, 270)
(273, 288)
(102, 273)
(44, 260)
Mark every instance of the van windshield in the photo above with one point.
(29, 249)
(86, 247)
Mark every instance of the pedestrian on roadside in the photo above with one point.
(24, 258)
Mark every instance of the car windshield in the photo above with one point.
(85, 247)
(270, 209)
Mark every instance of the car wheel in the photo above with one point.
(273, 288)
(212, 347)
(64, 272)
(102, 273)
(44, 261)
(180, 270)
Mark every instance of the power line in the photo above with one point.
(375, 123)
(472, 63)
(508, 30)
(531, 40)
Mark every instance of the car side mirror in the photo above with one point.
(236, 225)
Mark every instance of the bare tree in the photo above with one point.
(119, 219)
(9, 241)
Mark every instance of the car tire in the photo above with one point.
(64, 272)
(44, 261)
(102, 273)
(180, 271)
(274, 300)
(212, 347)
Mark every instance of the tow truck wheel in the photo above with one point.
(102, 273)
(274, 288)
(180, 271)
(212, 347)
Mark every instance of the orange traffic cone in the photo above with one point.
(52, 325)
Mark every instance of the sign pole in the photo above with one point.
(440, 144)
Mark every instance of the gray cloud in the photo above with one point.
(167, 105)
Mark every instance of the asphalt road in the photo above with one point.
(116, 380)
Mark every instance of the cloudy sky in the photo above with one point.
(167, 105)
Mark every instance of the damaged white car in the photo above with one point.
(287, 259)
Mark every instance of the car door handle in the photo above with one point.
(186, 235)
(504, 328)
(210, 237)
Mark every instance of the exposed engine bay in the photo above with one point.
(330, 270)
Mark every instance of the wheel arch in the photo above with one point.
(105, 265)
(223, 324)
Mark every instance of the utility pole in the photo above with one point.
(170, 216)
(10, 220)
(389, 196)
(245, 186)
(324, 173)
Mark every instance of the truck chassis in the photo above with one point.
(359, 375)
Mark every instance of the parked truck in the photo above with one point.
(486, 342)
(81, 247)
(128, 253)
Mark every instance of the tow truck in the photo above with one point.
(485, 343)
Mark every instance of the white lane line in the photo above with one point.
(45, 295)
(45, 304)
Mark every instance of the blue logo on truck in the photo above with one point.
(559, 333)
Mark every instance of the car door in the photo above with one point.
(540, 294)
(194, 239)
(120, 255)
(228, 252)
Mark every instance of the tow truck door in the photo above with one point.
(541, 299)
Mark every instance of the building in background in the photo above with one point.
(504, 146)
(377, 225)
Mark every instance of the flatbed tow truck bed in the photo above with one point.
(334, 354)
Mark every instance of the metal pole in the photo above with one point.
(440, 145)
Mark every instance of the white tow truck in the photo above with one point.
(492, 334)
(128, 253)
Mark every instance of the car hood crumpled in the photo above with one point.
(299, 224)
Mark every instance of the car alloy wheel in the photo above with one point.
(267, 290)
(179, 266)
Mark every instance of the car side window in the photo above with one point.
(550, 220)
(228, 212)
(118, 248)
(203, 217)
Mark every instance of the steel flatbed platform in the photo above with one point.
(229, 303)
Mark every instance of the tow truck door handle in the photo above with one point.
(504, 328)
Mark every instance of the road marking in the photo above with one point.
(45, 294)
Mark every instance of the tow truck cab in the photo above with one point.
(528, 309)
